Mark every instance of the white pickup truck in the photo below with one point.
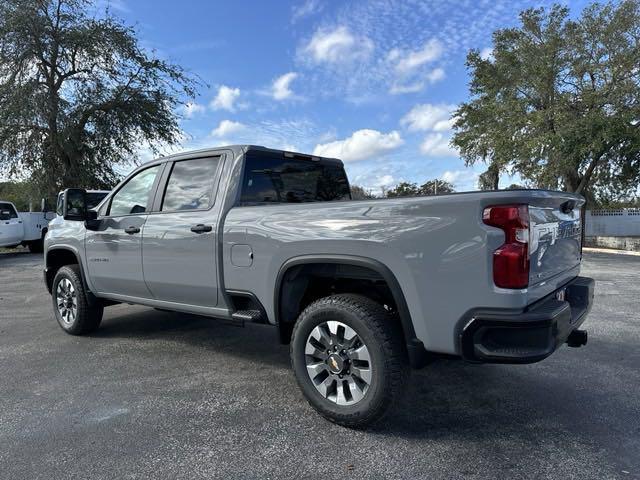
(22, 228)
(29, 228)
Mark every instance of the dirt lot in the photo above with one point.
(160, 395)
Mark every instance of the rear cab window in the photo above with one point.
(275, 178)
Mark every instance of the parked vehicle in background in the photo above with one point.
(22, 228)
(359, 289)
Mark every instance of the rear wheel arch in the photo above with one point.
(292, 284)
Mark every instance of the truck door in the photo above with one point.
(11, 229)
(114, 250)
(179, 240)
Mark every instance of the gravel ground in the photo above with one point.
(161, 395)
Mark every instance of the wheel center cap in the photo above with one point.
(336, 363)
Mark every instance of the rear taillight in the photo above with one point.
(511, 259)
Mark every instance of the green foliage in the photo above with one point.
(559, 101)
(490, 179)
(19, 193)
(359, 193)
(430, 187)
(79, 95)
(404, 189)
(436, 187)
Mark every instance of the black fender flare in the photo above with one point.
(415, 348)
(48, 275)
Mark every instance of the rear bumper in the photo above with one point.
(507, 336)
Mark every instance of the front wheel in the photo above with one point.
(349, 359)
(72, 310)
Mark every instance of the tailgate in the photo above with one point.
(555, 230)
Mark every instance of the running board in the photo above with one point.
(251, 316)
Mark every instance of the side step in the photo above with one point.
(243, 316)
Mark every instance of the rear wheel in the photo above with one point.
(74, 314)
(349, 359)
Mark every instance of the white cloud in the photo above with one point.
(362, 144)
(280, 89)
(371, 180)
(427, 116)
(190, 109)
(409, 67)
(435, 75)
(337, 45)
(226, 98)
(384, 181)
(437, 145)
(408, 88)
(431, 77)
(227, 127)
(306, 9)
(435, 119)
(407, 62)
(486, 53)
(463, 180)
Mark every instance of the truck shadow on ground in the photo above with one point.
(446, 399)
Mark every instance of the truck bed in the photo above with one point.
(438, 248)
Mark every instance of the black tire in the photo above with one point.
(382, 335)
(87, 317)
(37, 246)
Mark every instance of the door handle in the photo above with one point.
(200, 228)
(132, 230)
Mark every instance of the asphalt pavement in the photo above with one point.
(165, 395)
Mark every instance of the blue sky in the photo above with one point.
(370, 81)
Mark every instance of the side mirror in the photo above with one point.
(74, 204)
(5, 215)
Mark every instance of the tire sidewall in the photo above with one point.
(69, 274)
(315, 316)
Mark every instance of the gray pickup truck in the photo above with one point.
(361, 290)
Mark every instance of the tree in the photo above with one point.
(436, 187)
(359, 193)
(430, 187)
(79, 95)
(404, 189)
(559, 101)
(20, 194)
(490, 179)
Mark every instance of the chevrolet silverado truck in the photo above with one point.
(361, 290)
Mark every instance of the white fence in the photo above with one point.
(622, 222)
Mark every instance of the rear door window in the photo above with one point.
(190, 185)
(278, 179)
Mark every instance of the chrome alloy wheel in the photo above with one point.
(67, 301)
(338, 363)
